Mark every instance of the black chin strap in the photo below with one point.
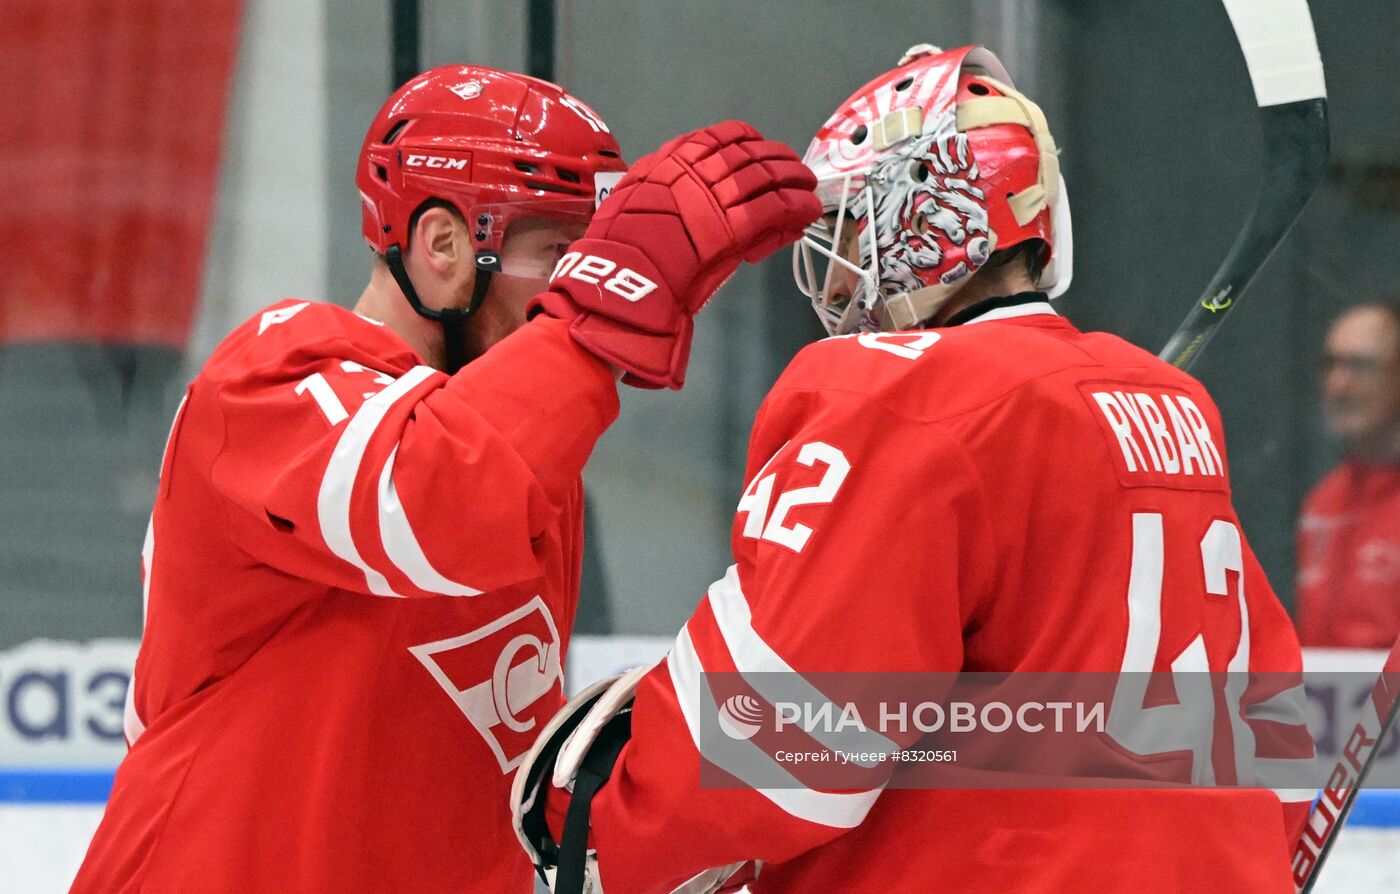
(453, 320)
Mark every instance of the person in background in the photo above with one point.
(1349, 529)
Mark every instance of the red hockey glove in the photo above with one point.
(672, 231)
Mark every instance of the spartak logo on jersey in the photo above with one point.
(500, 676)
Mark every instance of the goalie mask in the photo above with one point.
(924, 173)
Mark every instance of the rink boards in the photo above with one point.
(60, 741)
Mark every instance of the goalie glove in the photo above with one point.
(672, 231)
(555, 784)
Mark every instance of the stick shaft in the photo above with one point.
(1296, 144)
(1363, 744)
(405, 34)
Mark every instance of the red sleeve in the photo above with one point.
(837, 539)
(337, 467)
(1274, 705)
(1312, 556)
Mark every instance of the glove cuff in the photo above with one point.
(554, 304)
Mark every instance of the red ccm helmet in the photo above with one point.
(924, 173)
(495, 146)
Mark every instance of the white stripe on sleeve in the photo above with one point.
(401, 544)
(333, 502)
(837, 810)
(1289, 706)
(761, 666)
(1296, 795)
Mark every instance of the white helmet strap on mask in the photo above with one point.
(1059, 273)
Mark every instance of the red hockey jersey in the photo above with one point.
(1007, 495)
(1349, 559)
(360, 577)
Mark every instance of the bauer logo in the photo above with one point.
(502, 677)
(623, 282)
(740, 716)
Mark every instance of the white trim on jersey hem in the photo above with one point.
(1031, 309)
(836, 810)
(760, 664)
(401, 544)
(337, 485)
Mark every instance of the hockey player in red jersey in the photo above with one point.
(363, 560)
(957, 480)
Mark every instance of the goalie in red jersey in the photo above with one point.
(363, 560)
(958, 480)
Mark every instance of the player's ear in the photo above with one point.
(442, 237)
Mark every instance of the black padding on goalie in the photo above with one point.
(595, 770)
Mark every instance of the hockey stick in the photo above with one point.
(404, 39)
(1349, 774)
(540, 23)
(1280, 49)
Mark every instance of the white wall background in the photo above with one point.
(270, 232)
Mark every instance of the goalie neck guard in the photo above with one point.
(493, 145)
(924, 173)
